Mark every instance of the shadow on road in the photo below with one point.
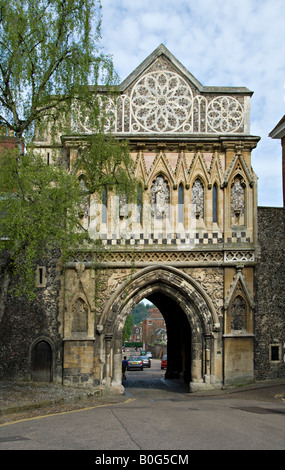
(153, 379)
(145, 381)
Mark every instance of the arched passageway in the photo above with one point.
(189, 315)
(178, 336)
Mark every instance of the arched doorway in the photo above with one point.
(191, 321)
(178, 334)
(42, 362)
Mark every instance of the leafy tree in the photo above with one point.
(50, 66)
(49, 57)
(128, 328)
(105, 163)
(140, 312)
(37, 214)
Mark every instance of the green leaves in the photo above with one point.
(50, 65)
(106, 163)
(39, 205)
(128, 328)
(47, 47)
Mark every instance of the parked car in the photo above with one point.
(146, 361)
(164, 362)
(149, 354)
(135, 362)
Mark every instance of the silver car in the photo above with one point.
(146, 361)
(135, 362)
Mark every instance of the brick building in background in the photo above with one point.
(154, 331)
(7, 138)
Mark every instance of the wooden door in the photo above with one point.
(42, 362)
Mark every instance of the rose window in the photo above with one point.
(161, 102)
(225, 114)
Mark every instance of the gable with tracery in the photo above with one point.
(162, 97)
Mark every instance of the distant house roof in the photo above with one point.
(279, 130)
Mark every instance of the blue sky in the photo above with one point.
(222, 43)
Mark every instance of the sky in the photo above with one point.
(221, 43)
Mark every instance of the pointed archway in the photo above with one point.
(179, 335)
(192, 324)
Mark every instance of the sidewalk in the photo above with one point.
(17, 397)
(261, 387)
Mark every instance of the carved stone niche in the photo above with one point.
(238, 200)
(79, 317)
(160, 198)
(238, 314)
(198, 199)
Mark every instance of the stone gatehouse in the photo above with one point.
(190, 245)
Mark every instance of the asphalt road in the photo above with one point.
(158, 415)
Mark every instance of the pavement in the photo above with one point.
(22, 400)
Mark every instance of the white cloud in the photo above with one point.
(234, 43)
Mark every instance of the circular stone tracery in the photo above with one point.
(161, 102)
(225, 114)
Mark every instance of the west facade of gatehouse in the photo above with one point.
(189, 244)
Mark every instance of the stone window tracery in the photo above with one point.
(238, 313)
(104, 205)
(139, 204)
(180, 203)
(225, 114)
(161, 102)
(215, 203)
(79, 316)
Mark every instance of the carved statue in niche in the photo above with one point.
(238, 313)
(198, 199)
(79, 316)
(123, 206)
(237, 199)
(84, 206)
(160, 198)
